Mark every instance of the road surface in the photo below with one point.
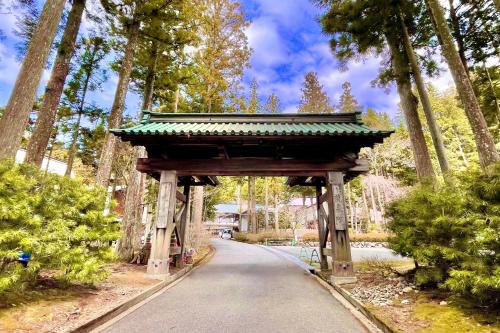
(244, 288)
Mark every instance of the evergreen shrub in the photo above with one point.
(452, 231)
(58, 221)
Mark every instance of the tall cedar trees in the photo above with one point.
(223, 54)
(16, 114)
(161, 35)
(348, 102)
(484, 140)
(48, 110)
(437, 138)
(130, 15)
(377, 24)
(314, 99)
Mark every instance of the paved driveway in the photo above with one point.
(244, 288)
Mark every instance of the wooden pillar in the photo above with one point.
(183, 225)
(158, 263)
(339, 231)
(322, 230)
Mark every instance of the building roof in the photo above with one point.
(175, 124)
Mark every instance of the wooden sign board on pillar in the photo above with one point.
(337, 185)
(164, 197)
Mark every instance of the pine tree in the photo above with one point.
(22, 98)
(348, 102)
(314, 99)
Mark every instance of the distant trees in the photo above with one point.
(222, 55)
(348, 102)
(314, 99)
(273, 104)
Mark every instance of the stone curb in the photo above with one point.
(358, 305)
(124, 306)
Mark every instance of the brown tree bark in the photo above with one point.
(266, 203)
(409, 102)
(484, 140)
(276, 214)
(20, 104)
(115, 118)
(437, 138)
(48, 110)
(136, 187)
(72, 150)
(252, 214)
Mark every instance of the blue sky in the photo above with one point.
(287, 43)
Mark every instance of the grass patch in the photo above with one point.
(457, 316)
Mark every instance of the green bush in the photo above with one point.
(452, 230)
(58, 220)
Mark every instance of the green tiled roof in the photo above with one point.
(177, 124)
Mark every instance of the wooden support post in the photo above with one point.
(321, 231)
(183, 225)
(158, 263)
(339, 231)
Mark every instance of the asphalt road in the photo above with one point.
(244, 288)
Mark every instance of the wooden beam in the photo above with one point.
(322, 198)
(248, 167)
(181, 197)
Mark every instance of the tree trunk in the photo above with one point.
(276, 214)
(136, 186)
(455, 24)
(497, 4)
(114, 120)
(460, 146)
(197, 215)
(372, 201)
(409, 105)
(484, 140)
(251, 204)
(72, 150)
(365, 203)
(21, 100)
(48, 110)
(266, 203)
(434, 130)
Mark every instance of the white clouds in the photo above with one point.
(268, 46)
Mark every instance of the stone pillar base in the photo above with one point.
(158, 266)
(343, 279)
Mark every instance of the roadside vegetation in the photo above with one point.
(51, 226)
